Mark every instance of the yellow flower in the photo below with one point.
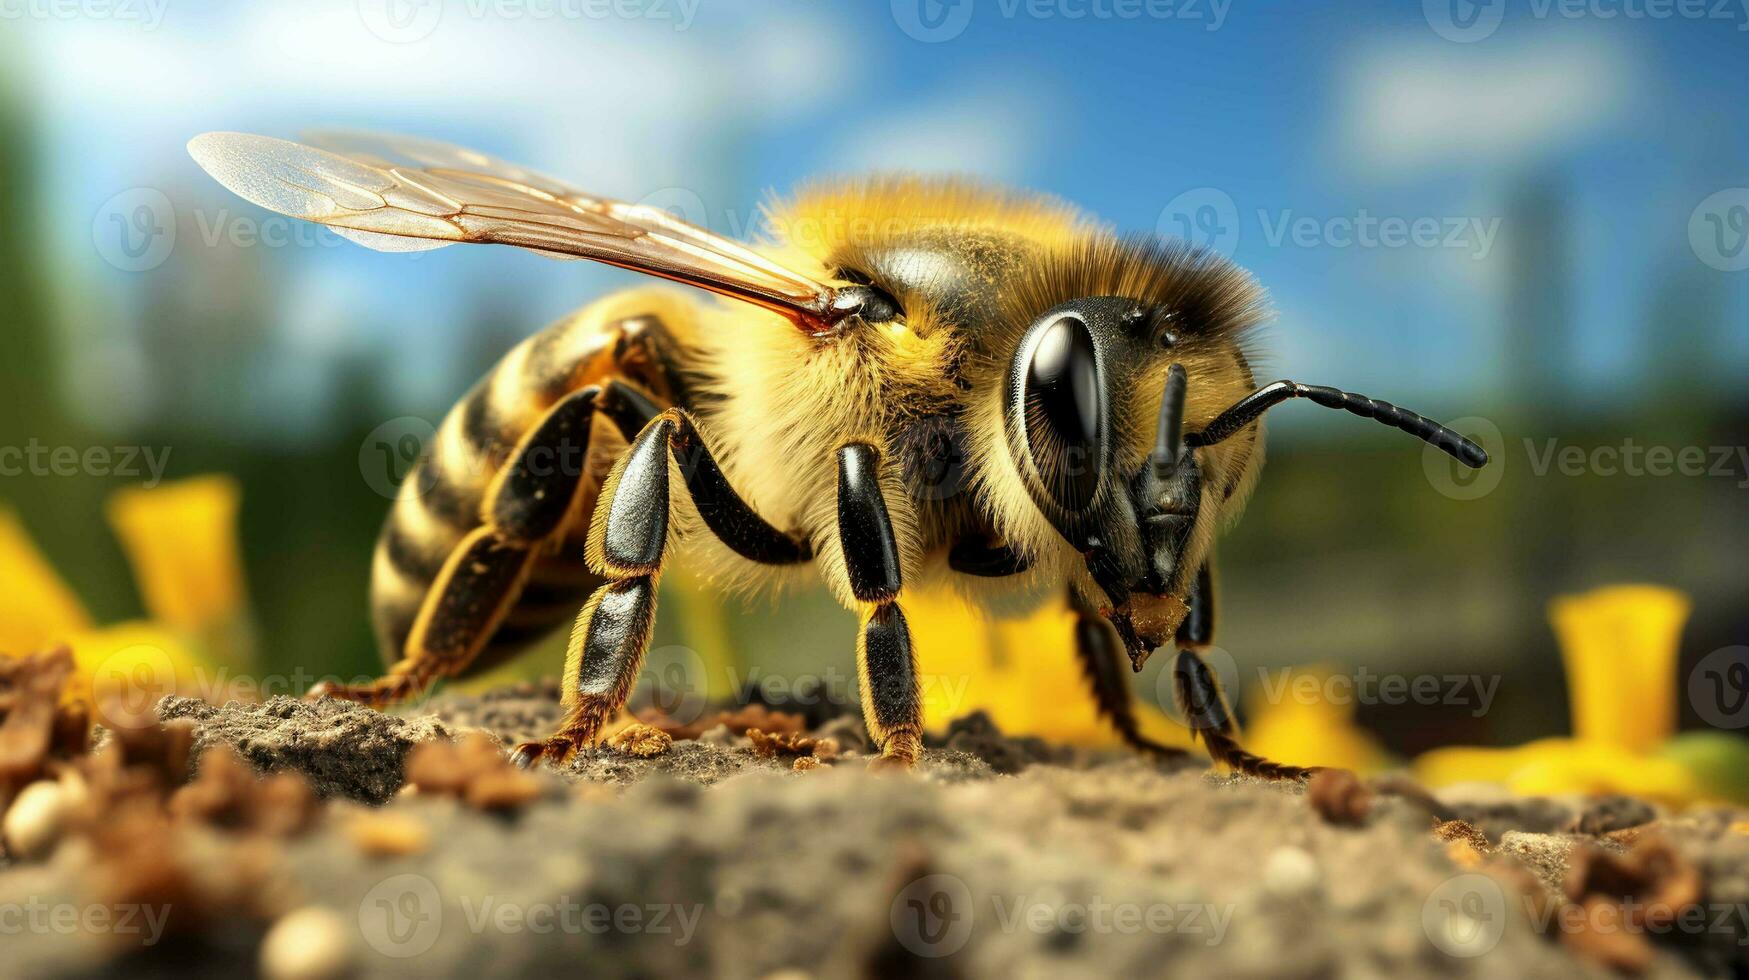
(1620, 645)
(182, 542)
(1559, 766)
(1023, 672)
(37, 609)
(181, 539)
(124, 668)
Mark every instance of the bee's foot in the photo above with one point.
(555, 750)
(900, 752)
(379, 694)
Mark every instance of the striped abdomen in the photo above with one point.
(440, 499)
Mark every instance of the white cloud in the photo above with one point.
(987, 131)
(1416, 107)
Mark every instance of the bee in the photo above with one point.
(914, 381)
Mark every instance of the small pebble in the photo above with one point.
(388, 834)
(1289, 872)
(310, 943)
(640, 740)
(34, 823)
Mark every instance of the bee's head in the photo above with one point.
(1129, 418)
(1083, 400)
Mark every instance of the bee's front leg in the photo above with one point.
(1103, 658)
(1199, 693)
(892, 700)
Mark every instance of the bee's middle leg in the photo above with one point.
(892, 700)
(629, 543)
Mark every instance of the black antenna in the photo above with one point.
(1249, 408)
(1168, 432)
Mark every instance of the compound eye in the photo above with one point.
(1064, 406)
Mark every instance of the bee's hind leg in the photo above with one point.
(524, 508)
(629, 542)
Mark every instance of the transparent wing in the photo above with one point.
(396, 193)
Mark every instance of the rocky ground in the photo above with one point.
(759, 844)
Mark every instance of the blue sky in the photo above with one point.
(1288, 122)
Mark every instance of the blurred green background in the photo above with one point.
(1585, 287)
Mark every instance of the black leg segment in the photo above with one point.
(864, 530)
(1103, 657)
(1198, 628)
(892, 703)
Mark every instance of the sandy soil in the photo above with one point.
(722, 853)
